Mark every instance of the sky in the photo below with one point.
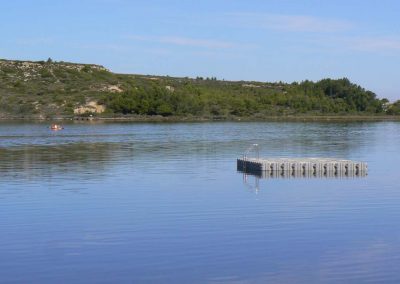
(256, 40)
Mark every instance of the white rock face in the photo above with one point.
(92, 107)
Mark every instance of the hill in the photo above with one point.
(46, 89)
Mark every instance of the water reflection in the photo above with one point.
(251, 179)
(78, 158)
(293, 175)
(162, 203)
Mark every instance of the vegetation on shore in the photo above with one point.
(58, 89)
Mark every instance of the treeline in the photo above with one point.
(220, 98)
(50, 88)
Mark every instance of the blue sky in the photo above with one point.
(235, 40)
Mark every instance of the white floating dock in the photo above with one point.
(302, 167)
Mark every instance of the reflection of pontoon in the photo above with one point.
(283, 174)
(257, 175)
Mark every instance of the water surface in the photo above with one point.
(163, 203)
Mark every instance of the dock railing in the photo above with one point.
(253, 147)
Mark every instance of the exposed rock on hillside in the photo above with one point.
(90, 107)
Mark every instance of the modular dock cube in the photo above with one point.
(305, 167)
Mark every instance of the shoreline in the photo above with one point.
(177, 119)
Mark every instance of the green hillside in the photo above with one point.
(49, 89)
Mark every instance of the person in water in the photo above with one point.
(56, 127)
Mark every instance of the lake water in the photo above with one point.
(163, 203)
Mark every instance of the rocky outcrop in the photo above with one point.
(90, 107)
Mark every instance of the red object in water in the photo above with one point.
(56, 127)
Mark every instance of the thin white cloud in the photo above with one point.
(196, 42)
(389, 45)
(289, 23)
(101, 46)
(35, 41)
(374, 44)
(185, 41)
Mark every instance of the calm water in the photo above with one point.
(163, 203)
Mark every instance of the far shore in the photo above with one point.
(158, 118)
